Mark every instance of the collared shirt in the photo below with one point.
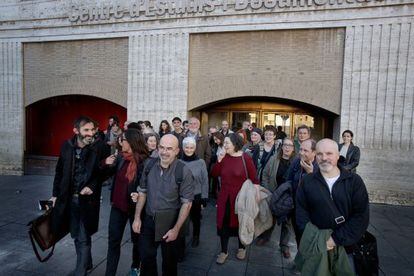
(163, 193)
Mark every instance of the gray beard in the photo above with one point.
(84, 140)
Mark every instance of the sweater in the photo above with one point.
(199, 170)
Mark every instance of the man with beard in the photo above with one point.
(77, 189)
(345, 189)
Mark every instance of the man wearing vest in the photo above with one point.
(165, 196)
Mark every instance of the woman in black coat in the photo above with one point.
(349, 153)
(127, 169)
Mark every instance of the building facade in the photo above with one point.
(333, 64)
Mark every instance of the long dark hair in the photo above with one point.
(137, 143)
(168, 130)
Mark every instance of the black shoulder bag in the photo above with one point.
(364, 251)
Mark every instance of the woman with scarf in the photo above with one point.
(127, 169)
(199, 170)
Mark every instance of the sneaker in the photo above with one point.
(134, 272)
(221, 258)
(241, 254)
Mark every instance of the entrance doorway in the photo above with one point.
(49, 123)
(287, 114)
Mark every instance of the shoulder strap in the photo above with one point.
(329, 201)
(179, 174)
(150, 164)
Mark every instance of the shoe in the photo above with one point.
(195, 242)
(221, 258)
(134, 272)
(241, 254)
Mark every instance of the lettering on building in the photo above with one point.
(168, 8)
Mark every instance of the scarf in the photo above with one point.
(132, 167)
(189, 158)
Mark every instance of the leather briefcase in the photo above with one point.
(40, 233)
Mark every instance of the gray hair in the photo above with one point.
(189, 140)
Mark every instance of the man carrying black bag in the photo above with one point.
(333, 199)
(77, 189)
(167, 206)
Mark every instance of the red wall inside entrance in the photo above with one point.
(50, 122)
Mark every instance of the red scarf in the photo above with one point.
(132, 167)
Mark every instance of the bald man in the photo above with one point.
(166, 195)
(331, 185)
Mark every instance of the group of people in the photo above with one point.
(161, 181)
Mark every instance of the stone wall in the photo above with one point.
(377, 105)
(11, 108)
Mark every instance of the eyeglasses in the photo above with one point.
(287, 145)
(169, 149)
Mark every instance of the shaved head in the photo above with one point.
(327, 143)
(168, 149)
(327, 156)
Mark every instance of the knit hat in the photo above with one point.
(257, 130)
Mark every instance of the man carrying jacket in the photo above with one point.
(77, 189)
(347, 191)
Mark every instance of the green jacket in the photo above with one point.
(314, 260)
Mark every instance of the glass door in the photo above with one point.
(239, 117)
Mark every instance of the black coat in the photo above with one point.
(62, 185)
(352, 157)
(132, 187)
(350, 197)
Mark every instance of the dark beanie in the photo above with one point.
(257, 130)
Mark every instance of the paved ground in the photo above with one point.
(393, 226)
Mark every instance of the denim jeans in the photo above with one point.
(81, 238)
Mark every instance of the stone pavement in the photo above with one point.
(392, 225)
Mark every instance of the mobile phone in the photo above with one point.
(44, 203)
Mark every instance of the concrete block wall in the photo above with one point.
(157, 76)
(11, 108)
(95, 67)
(377, 105)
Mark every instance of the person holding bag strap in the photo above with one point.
(346, 189)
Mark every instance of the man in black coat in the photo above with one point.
(77, 189)
(344, 189)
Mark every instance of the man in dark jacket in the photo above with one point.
(77, 189)
(301, 166)
(346, 190)
(203, 149)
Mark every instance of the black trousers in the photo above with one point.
(117, 222)
(148, 249)
(195, 215)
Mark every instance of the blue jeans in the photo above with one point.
(81, 238)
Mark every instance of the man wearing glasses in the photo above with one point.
(160, 193)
